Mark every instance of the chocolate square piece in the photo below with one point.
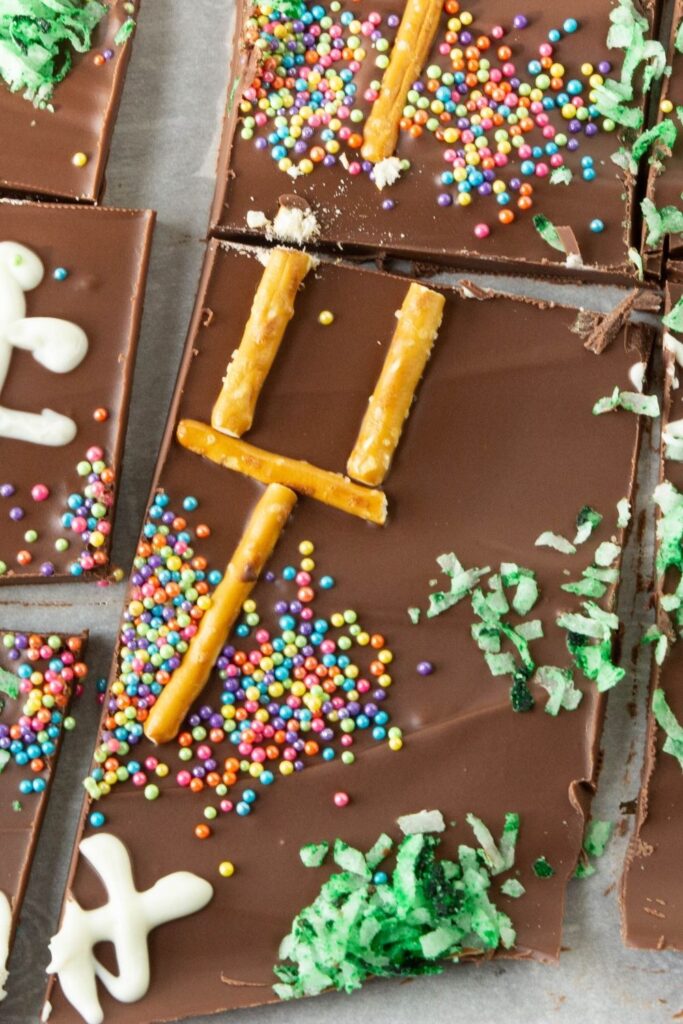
(71, 292)
(452, 660)
(490, 146)
(652, 887)
(58, 146)
(39, 673)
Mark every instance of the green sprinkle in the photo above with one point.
(125, 32)
(512, 888)
(313, 854)
(654, 635)
(559, 682)
(37, 38)
(9, 684)
(554, 540)
(667, 721)
(429, 909)
(542, 868)
(548, 232)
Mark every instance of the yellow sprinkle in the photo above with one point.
(79, 159)
(307, 547)
(666, 106)
(325, 318)
(226, 869)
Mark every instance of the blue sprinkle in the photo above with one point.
(60, 274)
(597, 226)
(97, 819)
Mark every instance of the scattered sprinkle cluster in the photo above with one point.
(288, 695)
(86, 520)
(46, 671)
(503, 127)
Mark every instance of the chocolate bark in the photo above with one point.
(350, 209)
(95, 267)
(651, 887)
(21, 814)
(38, 146)
(500, 446)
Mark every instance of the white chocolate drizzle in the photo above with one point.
(58, 345)
(125, 921)
(5, 929)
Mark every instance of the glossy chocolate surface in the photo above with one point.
(501, 445)
(349, 209)
(105, 252)
(21, 816)
(36, 155)
(652, 885)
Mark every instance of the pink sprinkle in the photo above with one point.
(482, 231)
(40, 492)
(341, 799)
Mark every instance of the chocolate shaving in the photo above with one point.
(293, 202)
(242, 984)
(568, 239)
(599, 329)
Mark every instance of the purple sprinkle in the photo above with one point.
(444, 199)
(425, 668)
(7, 490)
(47, 569)
(388, 204)
(16, 513)
(520, 21)
(604, 67)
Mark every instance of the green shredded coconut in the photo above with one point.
(598, 834)
(414, 615)
(631, 401)
(559, 682)
(586, 521)
(499, 857)
(521, 697)
(37, 38)
(429, 909)
(660, 135)
(313, 854)
(678, 38)
(17, 806)
(512, 888)
(554, 540)
(623, 513)
(667, 721)
(670, 545)
(125, 32)
(542, 868)
(606, 553)
(561, 175)
(548, 232)
(4, 758)
(654, 635)
(674, 318)
(9, 683)
(462, 582)
(667, 221)
(636, 259)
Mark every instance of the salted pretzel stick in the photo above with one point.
(271, 311)
(414, 39)
(419, 320)
(330, 488)
(256, 545)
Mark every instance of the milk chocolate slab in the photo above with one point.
(500, 446)
(51, 665)
(39, 146)
(665, 163)
(84, 270)
(419, 215)
(652, 888)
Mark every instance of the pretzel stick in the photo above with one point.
(256, 545)
(271, 311)
(419, 320)
(414, 39)
(330, 488)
